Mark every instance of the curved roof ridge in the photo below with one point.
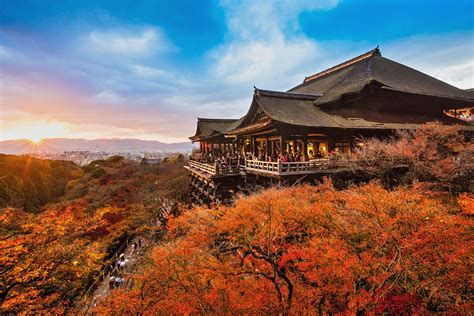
(373, 52)
(403, 78)
(288, 95)
(206, 119)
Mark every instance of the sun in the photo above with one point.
(35, 130)
(36, 139)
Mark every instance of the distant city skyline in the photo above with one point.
(146, 69)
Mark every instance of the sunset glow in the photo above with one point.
(101, 71)
(34, 130)
(36, 140)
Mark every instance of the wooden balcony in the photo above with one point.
(280, 168)
(277, 169)
(213, 169)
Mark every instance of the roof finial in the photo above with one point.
(377, 51)
(255, 90)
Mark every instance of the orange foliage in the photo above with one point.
(48, 260)
(436, 154)
(307, 248)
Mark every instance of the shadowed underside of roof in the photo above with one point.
(305, 113)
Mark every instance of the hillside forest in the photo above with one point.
(401, 244)
(60, 223)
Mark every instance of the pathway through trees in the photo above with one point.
(134, 256)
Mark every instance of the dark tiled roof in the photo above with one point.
(305, 113)
(352, 76)
(207, 127)
(304, 105)
(295, 112)
(286, 95)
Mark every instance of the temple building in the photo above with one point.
(366, 96)
(210, 135)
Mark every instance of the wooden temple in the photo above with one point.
(293, 133)
(211, 181)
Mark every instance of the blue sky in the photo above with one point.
(147, 69)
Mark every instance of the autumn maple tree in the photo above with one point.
(49, 259)
(440, 156)
(365, 249)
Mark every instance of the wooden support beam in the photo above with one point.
(267, 151)
(253, 146)
(331, 143)
(282, 145)
(305, 149)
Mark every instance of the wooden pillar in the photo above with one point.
(305, 149)
(295, 146)
(267, 151)
(282, 145)
(351, 144)
(331, 142)
(253, 146)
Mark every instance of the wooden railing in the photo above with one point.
(278, 168)
(267, 167)
(214, 168)
(206, 167)
(290, 168)
(262, 166)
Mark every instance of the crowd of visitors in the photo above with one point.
(223, 160)
(226, 160)
(118, 267)
(466, 114)
(285, 157)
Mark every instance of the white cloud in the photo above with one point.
(149, 72)
(460, 75)
(268, 63)
(129, 42)
(263, 19)
(264, 43)
(448, 57)
(107, 97)
(4, 52)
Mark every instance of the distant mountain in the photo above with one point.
(19, 146)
